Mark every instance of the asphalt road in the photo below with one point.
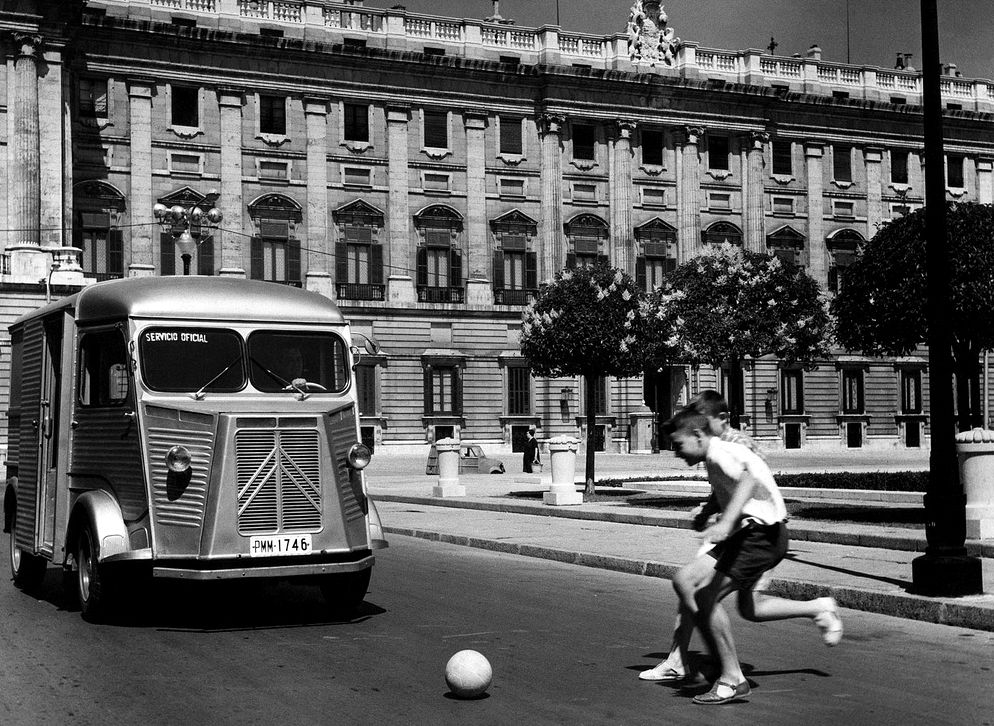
(566, 644)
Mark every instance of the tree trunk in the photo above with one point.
(734, 392)
(966, 360)
(590, 396)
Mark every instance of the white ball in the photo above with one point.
(468, 674)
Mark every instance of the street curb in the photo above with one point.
(908, 606)
(798, 530)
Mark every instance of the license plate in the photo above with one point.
(280, 545)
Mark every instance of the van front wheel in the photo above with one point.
(92, 587)
(28, 570)
(344, 593)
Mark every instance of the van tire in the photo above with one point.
(344, 593)
(93, 590)
(27, 570)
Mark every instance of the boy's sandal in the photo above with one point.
(662, 673)
(731, 693)
(829, 622)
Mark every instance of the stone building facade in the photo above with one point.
(429, 173)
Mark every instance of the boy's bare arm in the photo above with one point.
(703, 511)
(729, 520)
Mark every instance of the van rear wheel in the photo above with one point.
(92, 586)
(28, 570)
(344, 593)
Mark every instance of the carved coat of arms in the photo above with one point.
(649, 39)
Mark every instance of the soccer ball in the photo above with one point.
(468, 674)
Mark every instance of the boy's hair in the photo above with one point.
(708, 402)
(686, 419)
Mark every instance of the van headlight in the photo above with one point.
(359, 456)
(178, 459)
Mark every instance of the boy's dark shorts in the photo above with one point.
(751, 551)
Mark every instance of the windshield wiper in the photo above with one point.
(199, 395)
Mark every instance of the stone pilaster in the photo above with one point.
(620, 196)
(478, 261)
(319, 278)
(145, 229)
(25, 179)
(553, 257)
(399, 254)
(985, 180)
(874, 190)
(688, 201)
(52, 148)
(814, 152)
(232, 203)
(752, 191)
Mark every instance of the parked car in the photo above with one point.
(472, 460)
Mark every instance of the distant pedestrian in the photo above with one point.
(530, 457)
(686, 581)
(750, 538)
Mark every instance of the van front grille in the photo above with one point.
(279, 480)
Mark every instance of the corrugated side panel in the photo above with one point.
(342, 430)
(28, 450)
(179, 506)
(106, 452)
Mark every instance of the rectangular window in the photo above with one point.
(843, 209)
(184, 163)
(792, 390)
(365, 381)
(718, 153)
(444, 382)
(720, 200)
(358, 242)
(103, 369)
(583, 142)
(783, 163)
(512, 187)
(652, 147)
(438, 266)
(585, 192)
(655, 269)
(783, 205)
(842, 163)
(93, 98)
(600, 396)
(273, 170)
(272, 115)
(911, 391)
(356, 122)
(436, 182)
(436, 129)
(954, 171)
(852, 390)
(185, 109)
(510, 136)
(518, 391)
(356, 176)
(653, 197)
(899, 167)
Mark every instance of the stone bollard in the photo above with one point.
(562, 453)
(448, 469)
(975, 451)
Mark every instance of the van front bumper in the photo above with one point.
(244, 568)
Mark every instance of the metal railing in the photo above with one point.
(441, 294)
(359, 291)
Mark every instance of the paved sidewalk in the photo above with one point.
(865, 567)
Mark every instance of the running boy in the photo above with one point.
(677, 666)
(750, 538)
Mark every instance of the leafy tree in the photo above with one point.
(882, 307)
(587, 322)
(728, 304)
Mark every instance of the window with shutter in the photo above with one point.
(783, 163)
(356, 122)
(652, 147)
(272, 115)
(584, 139)
(436, 130)
(185, 106)
(510, 136)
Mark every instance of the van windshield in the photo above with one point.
(192, 359)
(312, 362)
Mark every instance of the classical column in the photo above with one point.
(399, 255)
(752, 192)
(479, 292)
(553, 258)
(320, 248)
(620, 196)
(985, 180)
(143, 262)
(232, 203)
(818, 262)
(52, 149)
(688, 201)
(874, 190)
(25, 179)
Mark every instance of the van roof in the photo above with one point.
(195, 298)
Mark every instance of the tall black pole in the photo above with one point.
(944, 569)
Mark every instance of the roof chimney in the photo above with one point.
(814, 52)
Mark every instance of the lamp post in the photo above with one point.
(188, 225)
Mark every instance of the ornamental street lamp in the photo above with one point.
(189, 225)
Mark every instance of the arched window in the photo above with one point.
(657, 252)
(97, 211)
(587, 235)
(275, 249)
(170, 262)
(439, 257)
(721, 232)
(842, 245)
(358, 252)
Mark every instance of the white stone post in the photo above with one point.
(562, 453)
(975, 450)
(448, 470)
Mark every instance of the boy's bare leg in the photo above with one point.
(716, 627)
(823, 610)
